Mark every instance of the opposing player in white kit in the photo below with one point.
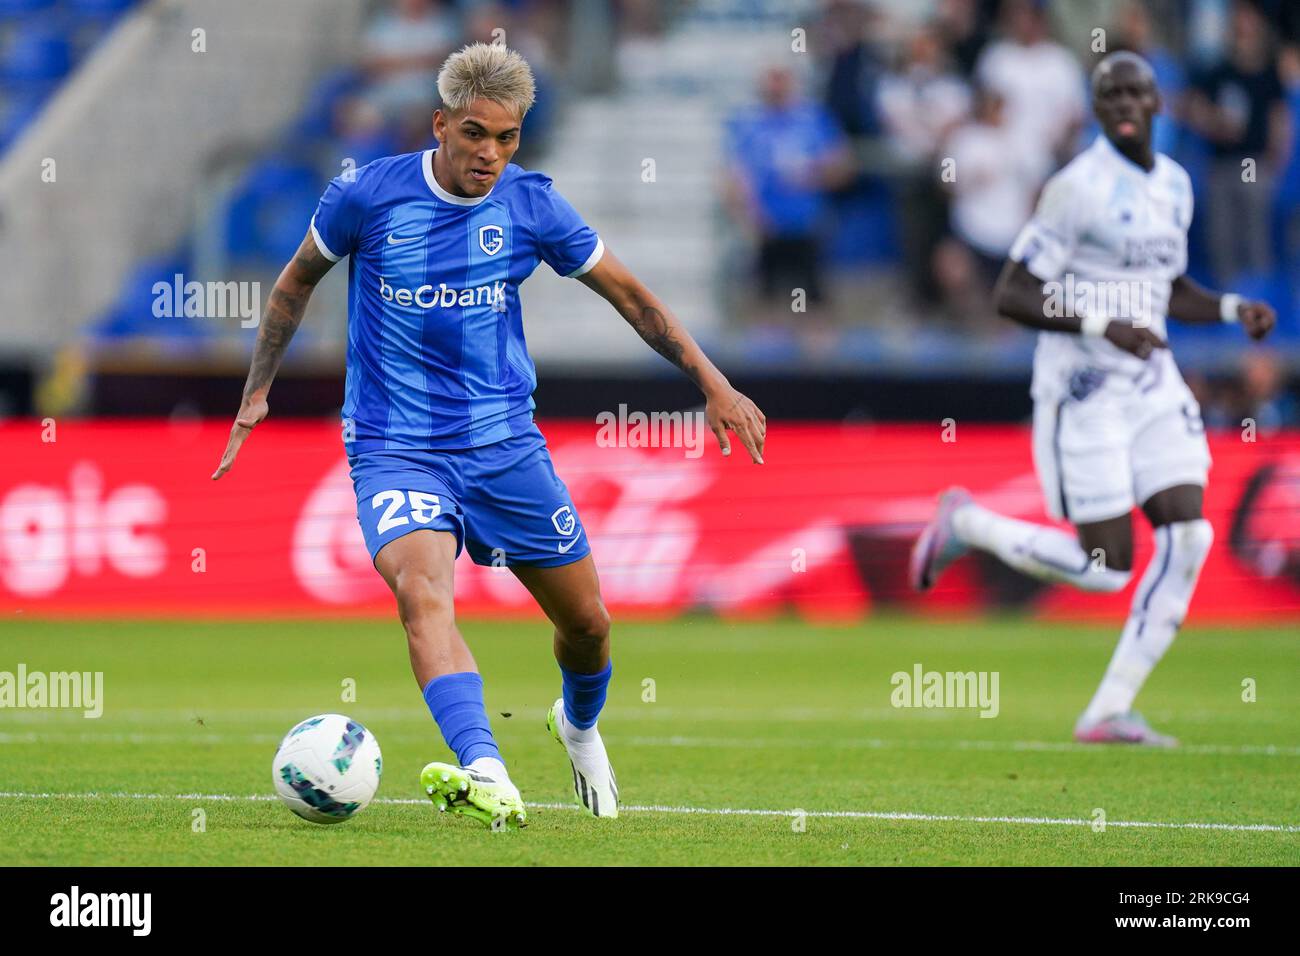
(1097, 270)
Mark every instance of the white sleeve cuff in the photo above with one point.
(591, 260)
(320, 243)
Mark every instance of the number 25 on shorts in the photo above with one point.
(424, 508)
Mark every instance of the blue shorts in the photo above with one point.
(502, 501)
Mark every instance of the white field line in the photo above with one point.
(876, 743)
(205, 737)
(290, 716)
(719, 811)
(645, 712)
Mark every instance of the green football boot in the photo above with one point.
(494, 803)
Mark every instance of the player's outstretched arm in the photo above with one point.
(1191, 302)
(1020, 296)
(725, 408)
(284, 310)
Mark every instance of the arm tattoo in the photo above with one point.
(283, 314)
(652, 325)
(309, 264)
(284, 311)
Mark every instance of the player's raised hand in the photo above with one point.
(1257, 318)
(251, 412)
(732, 410)
(1134, 339)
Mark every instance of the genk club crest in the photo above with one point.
(491, 239)
(564, 520)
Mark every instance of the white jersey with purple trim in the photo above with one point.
(1107, 237)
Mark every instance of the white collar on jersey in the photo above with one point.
(426, 164)
(1115, 156)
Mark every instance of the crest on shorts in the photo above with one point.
(491, 239)
(1085, 381)
(564, 520)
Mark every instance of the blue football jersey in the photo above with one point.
(436, 355)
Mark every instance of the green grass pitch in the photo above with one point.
(777, 716)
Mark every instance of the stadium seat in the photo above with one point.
(35, 55)
(1260, 286)
(21, 9)
(132, 315)
(866, 230)
(770, 346)
(268, 214)
(97, 9)
(364, 151)
(18, 109)
(316, 120)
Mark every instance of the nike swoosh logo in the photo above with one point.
(394, 241)
(566, 549)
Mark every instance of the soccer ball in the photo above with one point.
(327, 768)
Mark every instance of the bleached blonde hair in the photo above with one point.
(489, 71)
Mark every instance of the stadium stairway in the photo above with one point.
(41, 42)
(119, 164)
(644, 166)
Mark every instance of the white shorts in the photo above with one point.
(1111, 442)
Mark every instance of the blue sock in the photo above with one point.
(456, 702)
(584, 695)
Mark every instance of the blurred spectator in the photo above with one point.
(1264, 395)
(1040, 81)
(995, 178)
(640, 27)
(920, 104)
(964, 30)
(1288, 198)
(493, 23)
(855, 67)
(404, 47)
(1257, 393)
(1285, 17)
(858, 183)
(1239, 106)
(784, 154)
(360, 131)
(923, 100)
(1134, 31)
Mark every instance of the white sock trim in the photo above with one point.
(574, 734)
